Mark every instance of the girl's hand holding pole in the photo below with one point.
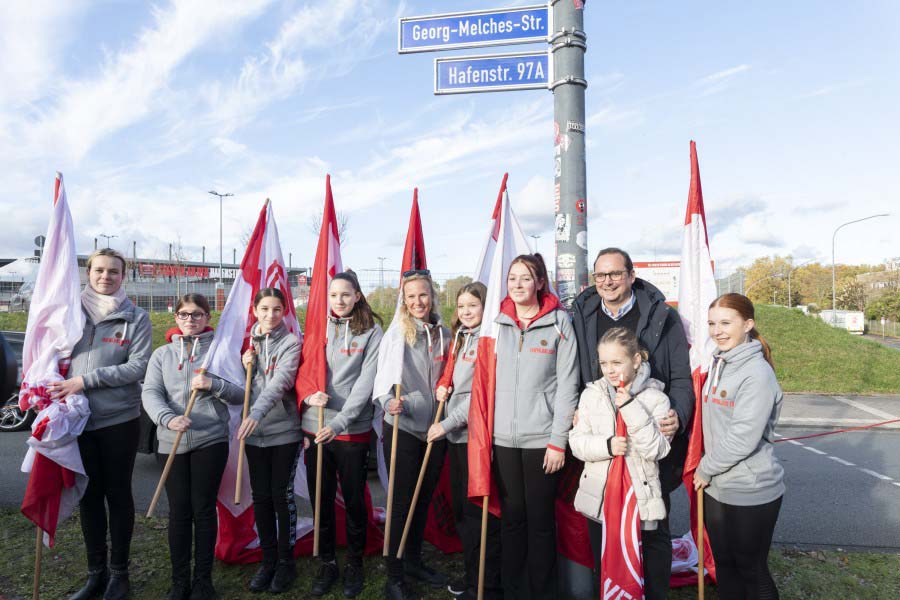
(443, 393)
(179, 423)
(622, 396)
(201, 382)
(435, 433)
(395, 406)
(325, 435)
(318, 399)
(699, 483)
(248, 357)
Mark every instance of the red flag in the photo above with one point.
(505, 241)
(696, 291)
(55, 325)
(414, 250)
(621, 565)
(311, 377)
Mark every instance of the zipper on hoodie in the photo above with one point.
(515, 420)
(187, 391)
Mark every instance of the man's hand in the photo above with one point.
(668, 426)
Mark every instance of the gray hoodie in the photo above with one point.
(111, 357)
(167, 391)
(423, 363)
(741, 402)
(456, 422)
(352, 362)
(273, 401)
(537, 382)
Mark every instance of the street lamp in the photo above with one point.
(766, 278)
(108, 237)
(791, 270)
(215, 193)
(833, 279)
(535, 238)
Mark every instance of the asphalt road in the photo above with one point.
(890, 342)
(843, 490)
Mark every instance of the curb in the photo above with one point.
(827, 423)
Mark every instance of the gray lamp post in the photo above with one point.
(215, 193)
(833, 278)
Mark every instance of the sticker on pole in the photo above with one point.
(474, 29)
(491, 73)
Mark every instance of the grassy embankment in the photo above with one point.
(810, 356)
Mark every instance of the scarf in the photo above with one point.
(99, 306)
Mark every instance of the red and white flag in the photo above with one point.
(696, 291)
(313, 371)
(261, 267)
(55, 325)
(311, 377)
(506, 241)
(621, 564)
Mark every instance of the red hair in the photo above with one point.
(744, 307)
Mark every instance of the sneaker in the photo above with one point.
(285, 576)
(422, 572)
(325, 578)
(458, 587)
(262, 579)
(399, 590)
(354, 579)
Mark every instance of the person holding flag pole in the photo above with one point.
(412, 356)
(336, 376)
(107, 365)
(188, 404)
(56, 323)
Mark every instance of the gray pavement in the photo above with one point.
(890, 342)
(843, 489)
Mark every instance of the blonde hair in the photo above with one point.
(626, 339)
(106, 252)
(406, 319)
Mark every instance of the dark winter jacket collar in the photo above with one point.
(648, 299)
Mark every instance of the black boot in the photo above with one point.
(119, 585)
(285, 575)
(202, 589)
(354, 579)
(263, 577)
(95, 584)
(181, 590)
(398, 589)
(325, 578)
(422, 572)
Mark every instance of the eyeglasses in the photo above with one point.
(613, 276)
(193, 316)
(424, 272)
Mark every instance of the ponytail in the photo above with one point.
(767, 350)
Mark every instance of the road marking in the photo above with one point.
(876, 474)
(860, 406)
(811, 449)
(795, 443)
(846, 463)
(897, 483)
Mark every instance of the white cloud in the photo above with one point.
(753, 229)
(720, 80)
(726, 73)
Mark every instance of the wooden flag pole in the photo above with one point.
(415, 497)
(171, 459)
(244, 413)
(701, 565)
(38, 552)
(393, 468)
(318, 513)
(483, 549)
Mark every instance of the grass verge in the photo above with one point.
(799, 575)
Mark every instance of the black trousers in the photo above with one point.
(656, 553)
(410, 452)
(347, 461)
(468, 525)
(528, 523)
(108, 456)
(192, 487)
(740, 537)
(272, 470)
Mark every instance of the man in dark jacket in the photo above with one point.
(619, 299)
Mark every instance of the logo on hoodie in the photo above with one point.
(543, 349)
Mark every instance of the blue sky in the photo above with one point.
(144, 107)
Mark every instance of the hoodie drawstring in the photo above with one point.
(716, 370)
(453, 345)
(268, 362)
(124, 335)
(181, 353)
(441, 333)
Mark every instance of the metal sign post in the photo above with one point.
(560, 23)
(567, 47)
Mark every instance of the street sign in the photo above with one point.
(474, 29)
(492, 73)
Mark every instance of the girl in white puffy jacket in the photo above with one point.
(626, 387)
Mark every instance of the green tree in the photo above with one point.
(851, 295)
(887, 306)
